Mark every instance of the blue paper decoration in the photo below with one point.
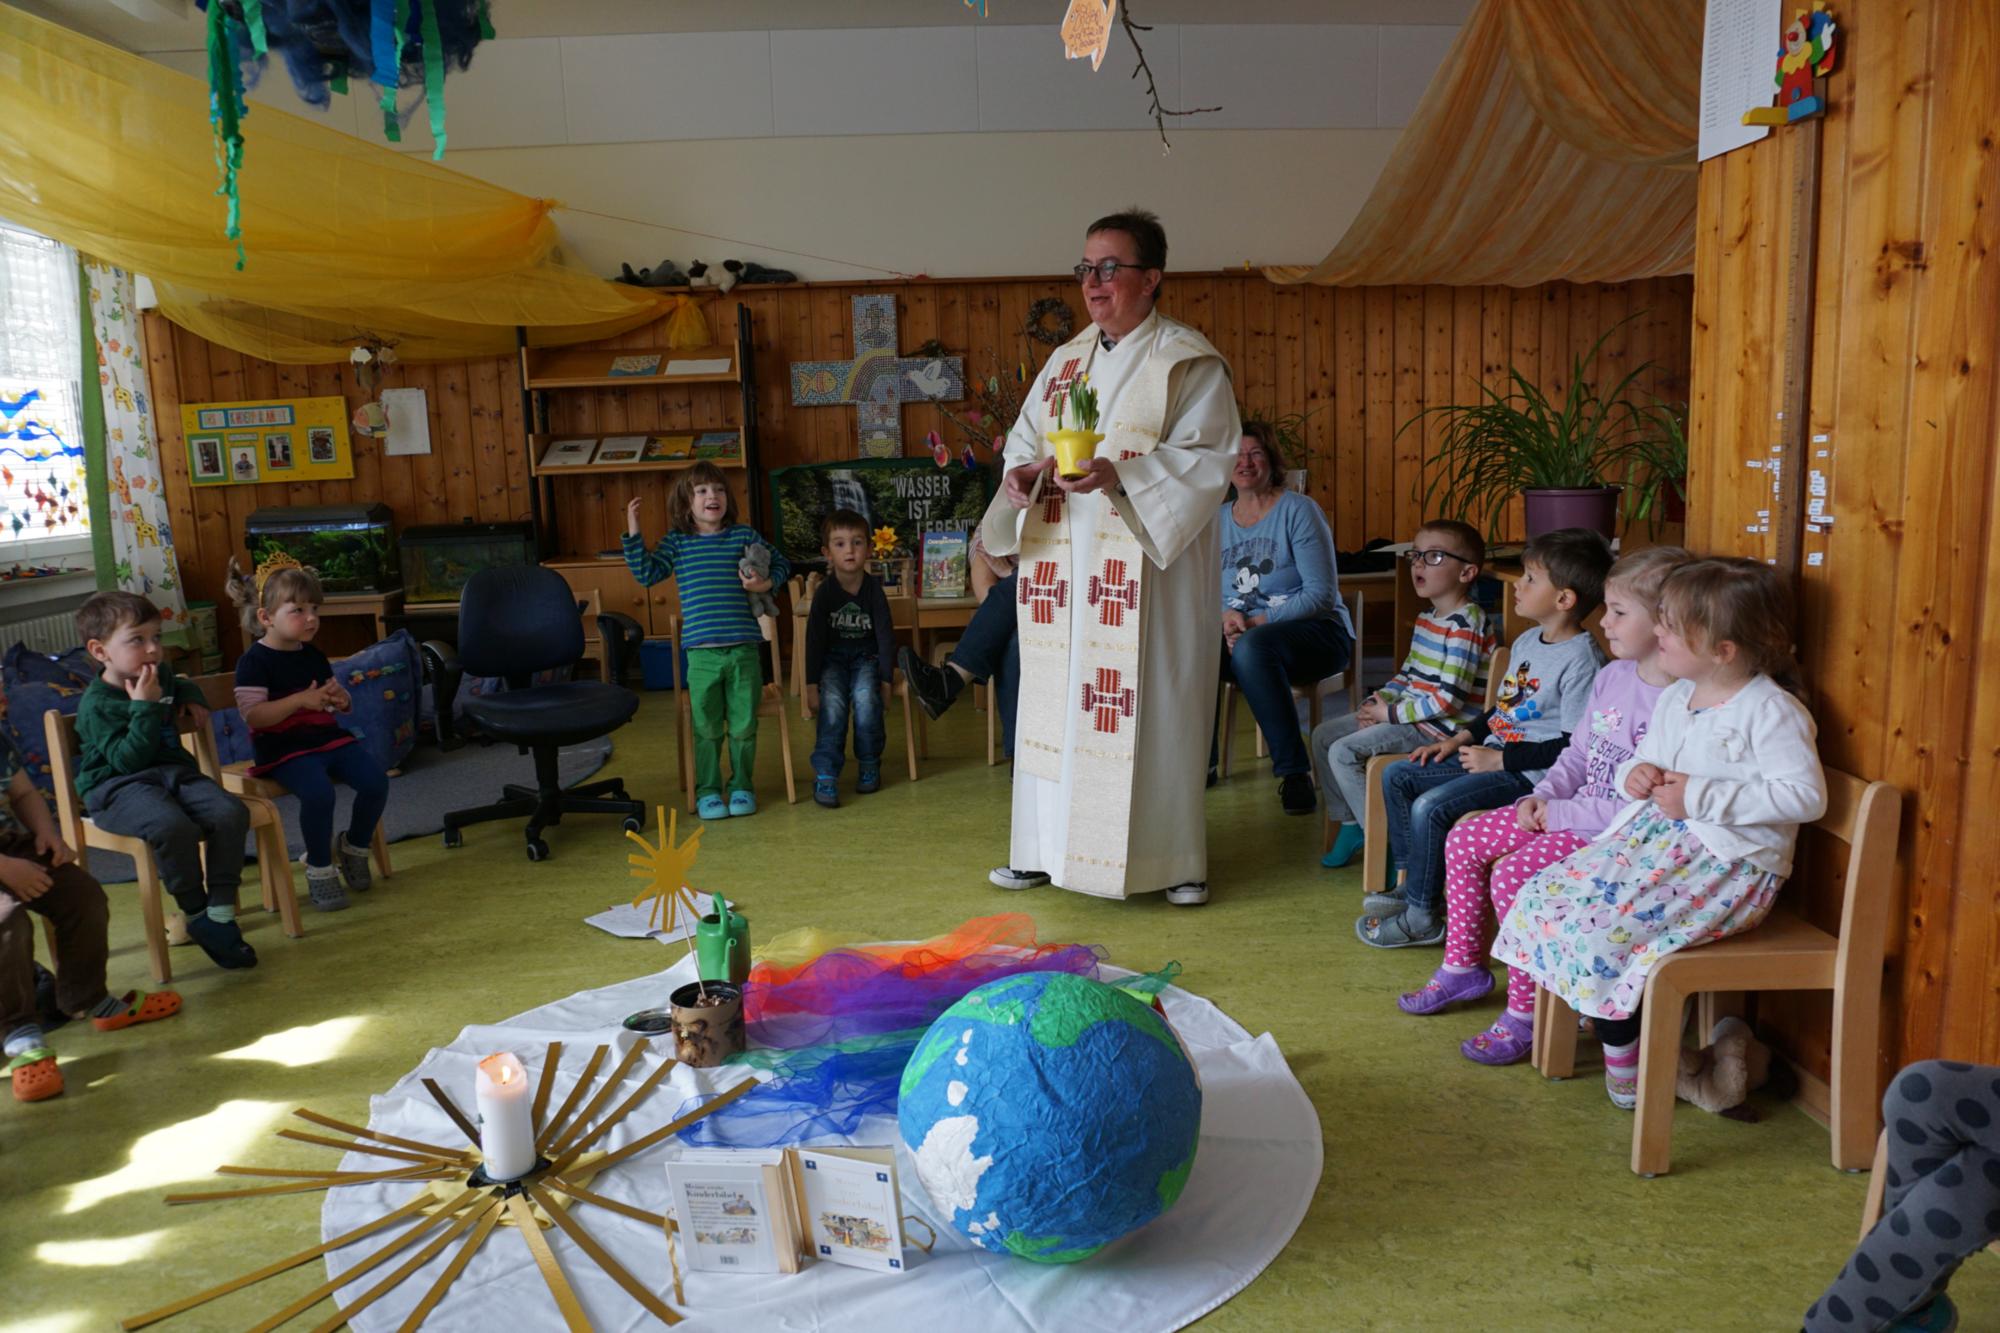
(1049, 1115)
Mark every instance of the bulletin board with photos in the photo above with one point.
(268, 440)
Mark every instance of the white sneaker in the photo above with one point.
(1191, 894)
(1006, 877)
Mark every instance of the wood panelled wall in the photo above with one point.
(1361, 361)
(1900, 599)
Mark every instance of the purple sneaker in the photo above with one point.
(1445, 989)
(1509, 1041)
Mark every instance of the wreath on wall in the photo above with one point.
(1064, 329)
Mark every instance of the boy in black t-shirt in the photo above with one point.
(850, 659)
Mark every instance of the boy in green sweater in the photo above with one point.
(136, 779)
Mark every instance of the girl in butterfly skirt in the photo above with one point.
(1720, 784)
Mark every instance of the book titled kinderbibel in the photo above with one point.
(744, 1210)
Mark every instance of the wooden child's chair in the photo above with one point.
(803, 589)
(1349, 680)
(219, 691)
(82, 834)
(1375, 812)
(1786, 952)
(771, 703)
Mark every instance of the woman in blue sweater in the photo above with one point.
(1283, 620)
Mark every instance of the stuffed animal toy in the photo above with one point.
(663, 274)
(698, 274)
(1721, 1076)
(728, 278)
(756, 564)
(755, 272)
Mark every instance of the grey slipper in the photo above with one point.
(323, 883)
(1384, 904)
(1395, 932)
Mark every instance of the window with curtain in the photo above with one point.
(44, 508)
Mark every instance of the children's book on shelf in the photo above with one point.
(621, 449)
(947, 564)
(699, 366)
(569, 453)
(748, 1210)
(663, 448)
(718, 444)
(636, 365)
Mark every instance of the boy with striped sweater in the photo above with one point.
(702, 551)
(1441, 688)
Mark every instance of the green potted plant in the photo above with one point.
(1657, 467)
(1564, 458)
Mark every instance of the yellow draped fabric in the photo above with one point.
(1557, 142)
(346, 241)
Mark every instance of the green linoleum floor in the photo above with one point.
(1454, 1197)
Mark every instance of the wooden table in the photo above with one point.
(376, 605)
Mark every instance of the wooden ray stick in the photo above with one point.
(668, 1130)
(659, 1309)
(583, 1082)
(545, 1259)
(390, 1219)
(549, 1063)
(410, 1265)
(352, 1145)
(328, 1122)
(574, 1150)
(294, 1174)
(582, 1195)
(428, 1170)
(487, 1221)
(450, 1108)
(596, 1103)
(373, 1261)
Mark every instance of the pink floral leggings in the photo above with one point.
(1490, 855)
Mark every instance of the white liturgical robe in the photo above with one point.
(1119, 662)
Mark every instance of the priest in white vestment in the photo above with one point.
(1119, 590)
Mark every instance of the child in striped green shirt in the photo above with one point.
(703, 551)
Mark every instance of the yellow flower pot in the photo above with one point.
(1074, 448)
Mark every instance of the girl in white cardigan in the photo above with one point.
(1720, 783)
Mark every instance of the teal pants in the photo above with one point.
(723, 687)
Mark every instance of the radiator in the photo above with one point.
(50, 634)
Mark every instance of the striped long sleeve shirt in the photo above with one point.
(1442, 685)
(715, 611)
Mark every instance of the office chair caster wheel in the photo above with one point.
(632, 824)
(454, 837)
(537, 850)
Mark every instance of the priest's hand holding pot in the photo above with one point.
(1020, 482)
(1098, 475)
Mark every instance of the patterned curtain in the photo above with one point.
(141, 542)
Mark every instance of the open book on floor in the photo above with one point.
(751, 1210)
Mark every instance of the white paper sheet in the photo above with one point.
(629, 923)
(717, 366)
(1739, 50)
(409, 421)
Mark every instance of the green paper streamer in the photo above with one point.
(485, 21)
(434, 75)
(392, 129)
(225, 112)
(253, 17)
(337, 78)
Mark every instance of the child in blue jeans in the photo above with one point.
(850, 659)
(286, 691)
(1499, 756)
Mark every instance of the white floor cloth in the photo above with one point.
(1254, 1175)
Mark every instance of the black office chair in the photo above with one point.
(512, 623)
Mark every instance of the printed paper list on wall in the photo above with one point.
(271, 440)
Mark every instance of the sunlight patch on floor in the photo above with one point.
(308, 1045)
(100, 1253)
(190, 1150)
(67, 1322)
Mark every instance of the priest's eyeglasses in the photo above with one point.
(1435, 556)
(1105, 269)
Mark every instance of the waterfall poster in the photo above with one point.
(912, 495)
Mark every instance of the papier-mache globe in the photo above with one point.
(1049, 1114)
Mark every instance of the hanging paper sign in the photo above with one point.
(272, 440)
(1086, 30)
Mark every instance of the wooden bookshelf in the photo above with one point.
(589, 368)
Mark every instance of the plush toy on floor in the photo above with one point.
(1720, 1077)
(756, 564)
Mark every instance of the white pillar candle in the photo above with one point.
(506, 1131)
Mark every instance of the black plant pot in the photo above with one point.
(1593, 507)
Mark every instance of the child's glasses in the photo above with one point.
(1434, 557)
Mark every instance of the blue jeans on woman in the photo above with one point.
(1266, 662)
(849, 682)
(1424, 801)
(310, 777)
(990, 650)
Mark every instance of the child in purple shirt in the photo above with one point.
(1489, 856)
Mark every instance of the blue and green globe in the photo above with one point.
(1050, 1114)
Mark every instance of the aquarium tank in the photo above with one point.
(351, 547)
(438, 558)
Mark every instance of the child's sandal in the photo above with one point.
(35, 1076)
(141, 1007)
